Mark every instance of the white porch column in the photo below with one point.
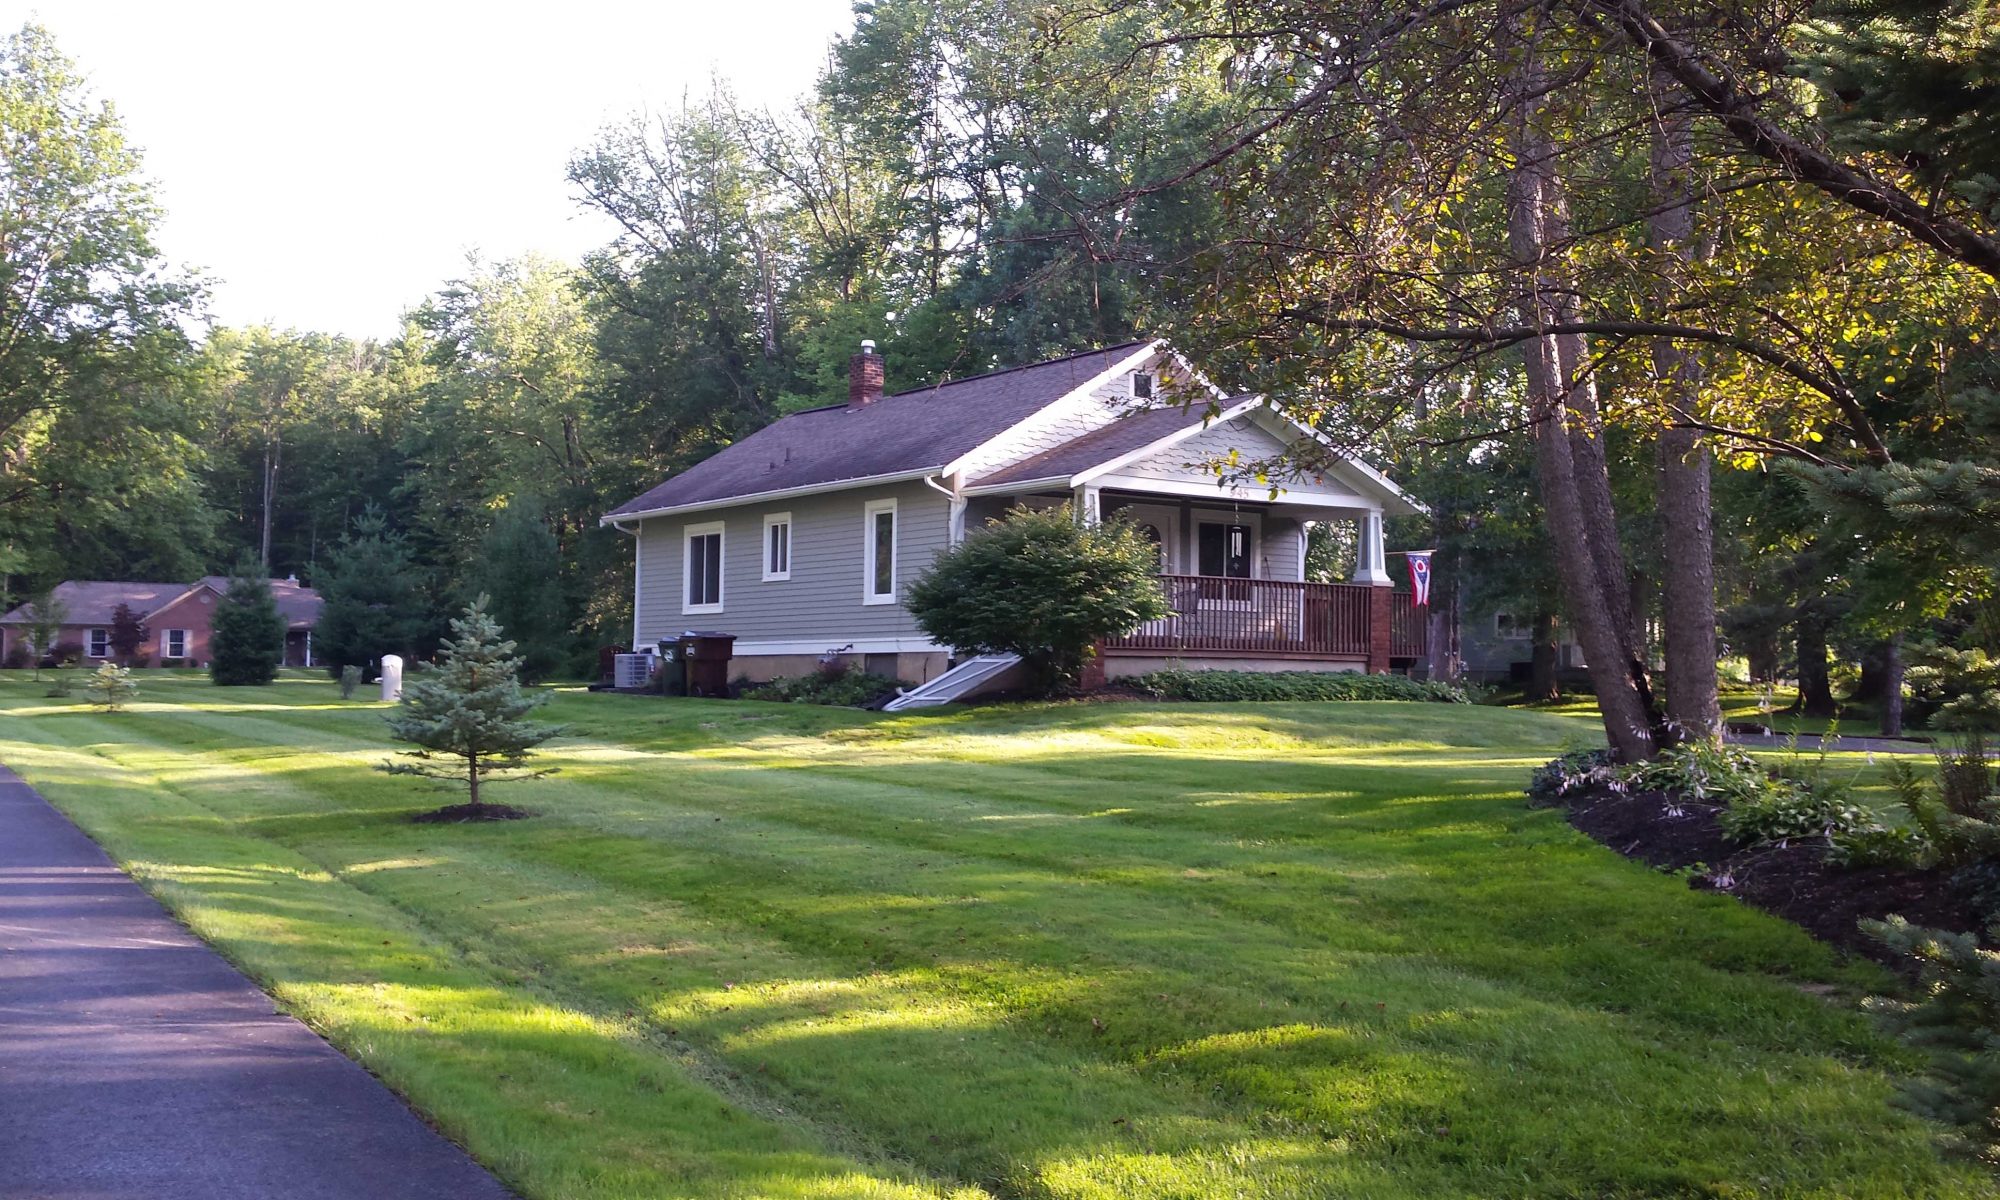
(1370, 561)
(1089, 505)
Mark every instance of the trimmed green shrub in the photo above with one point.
(1293, 685)
(1043, 585)
(249, 633)
(845, 688)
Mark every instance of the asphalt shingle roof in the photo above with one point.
(1122, 436)
(899, 434)
(92, 601)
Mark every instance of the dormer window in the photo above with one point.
(1142, 385)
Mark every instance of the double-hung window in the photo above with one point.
(176, 644)
(878, 533)
(100, 643)
(701, 563)
(777, 546)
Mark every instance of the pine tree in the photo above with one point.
(249, 632)
(520, 567)
(467, 714)
(373, 599)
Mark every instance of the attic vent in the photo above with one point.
(1142, 385)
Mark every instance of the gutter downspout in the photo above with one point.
(955, 530)
(638, 580)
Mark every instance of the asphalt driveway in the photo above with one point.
(135, 1062)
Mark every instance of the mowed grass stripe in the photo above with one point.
(1645, 1117)
(559, 1103)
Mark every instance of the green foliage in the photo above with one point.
(1878, 845)
(1572, 772)
(1956, 1022)
(1040, 584)
(1964, 683)
(350, 681)
(467, 714)
(62, 681)
(520, 569)
(1787, 811)
(110, 686)
(848, 687)
(1705, 771)
(248, 644)
(46, 616)
(1293, 685)
(374, 602)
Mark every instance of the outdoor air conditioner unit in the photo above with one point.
(631, 670)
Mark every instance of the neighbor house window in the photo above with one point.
(702, 568)
(1506, 625)
(879, 564)
(1224, 550)
(777, 546)
(176, 644)
(100, 643)
(1142, 385)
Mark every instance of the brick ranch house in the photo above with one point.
(177, 617)
(802, 538)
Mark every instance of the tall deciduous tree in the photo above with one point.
(94, 452)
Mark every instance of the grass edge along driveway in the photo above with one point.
(1109, 950)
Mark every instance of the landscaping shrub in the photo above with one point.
(1704, 771)
(1880, 846)
(62, 683)
(63, 654)
(847, 687)
(1788, 811)
(110, 686)
(248, 641)
(1043, 585)
(350, 679)
(1293, 685)
(17, 658)
(1572, 773)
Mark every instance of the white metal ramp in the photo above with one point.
(987, 673)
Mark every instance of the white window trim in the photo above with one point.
(90, 643)
(772, 520)
(869, 511)
(167, 641)
(688, 534)
(1152, 390)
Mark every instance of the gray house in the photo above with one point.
(801, 539)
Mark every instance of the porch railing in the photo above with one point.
(1256, 616)
(1270, 616)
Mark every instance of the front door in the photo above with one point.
(1161, 526)
(1223, 549)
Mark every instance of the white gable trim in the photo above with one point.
(1080, 392)
(1157, 445)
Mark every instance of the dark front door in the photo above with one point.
(1224, 550)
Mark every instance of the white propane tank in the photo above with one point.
(392, 677)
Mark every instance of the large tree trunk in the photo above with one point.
(1815, 681)
(1567, 425)
(1447, 663)
(1874, 681)
(1687, 541)
(1543, 685)
(1892, 687)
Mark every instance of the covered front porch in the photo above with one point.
(1235, 573)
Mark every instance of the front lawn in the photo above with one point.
(1066, 951)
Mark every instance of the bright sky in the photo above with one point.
(330, 164)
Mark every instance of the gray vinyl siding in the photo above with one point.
(822, 601)
(1280, 548)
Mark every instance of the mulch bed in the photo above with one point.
(458, 814)
(1791, 880)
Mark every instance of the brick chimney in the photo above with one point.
(864, 377)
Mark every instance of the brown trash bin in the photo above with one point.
(708, 656)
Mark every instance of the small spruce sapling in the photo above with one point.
(110, 686)
(468, 717)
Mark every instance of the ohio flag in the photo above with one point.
(1420, 576)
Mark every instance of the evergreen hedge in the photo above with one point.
(1294, 685)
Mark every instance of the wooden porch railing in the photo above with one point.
(1256, 616)
(1277, 617)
